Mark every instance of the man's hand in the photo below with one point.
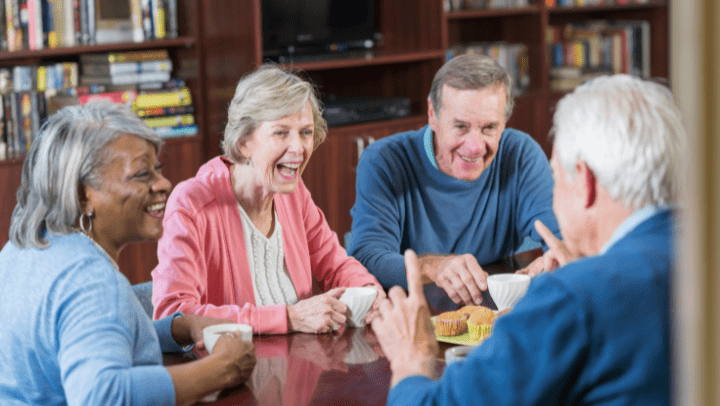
(460, 276)
(318, 314)
(404, 329)
(556, 255)
(376, 304)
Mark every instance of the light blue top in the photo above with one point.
(594, 332)
(404, 201)
(74, 333)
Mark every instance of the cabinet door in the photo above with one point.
(330, 174)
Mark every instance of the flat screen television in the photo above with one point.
(297, 28)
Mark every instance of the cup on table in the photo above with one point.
(457, 354)
(212, 333)
(506, 289)
(359, 301)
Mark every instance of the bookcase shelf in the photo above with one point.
(616, 7)
(372, 59)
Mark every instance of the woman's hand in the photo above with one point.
(238, 354)
(318, 314)
(376, 304)
(188, 329)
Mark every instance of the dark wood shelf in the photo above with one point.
(376, 58)
(119, 46)
(616, 7)
(374, 125)
(498, 12)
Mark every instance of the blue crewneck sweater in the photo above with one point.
(403, 201)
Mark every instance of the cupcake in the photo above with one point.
(451, 323)
(470, 309)
(480, 323)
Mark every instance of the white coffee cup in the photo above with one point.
(212, 333)
(359, 301)
(457, 354)
(506, 289)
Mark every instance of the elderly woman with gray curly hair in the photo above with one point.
(243, 239)
(73, 331)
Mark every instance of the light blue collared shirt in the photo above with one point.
(429, 149)
(629, 224)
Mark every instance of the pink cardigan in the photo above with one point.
(203, 266)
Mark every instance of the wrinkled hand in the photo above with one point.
(326, 351)
(238, 354)
(376, 304)
(404, 329)
(188, 329)
(557, 254)
(318, 314)
(462, 278)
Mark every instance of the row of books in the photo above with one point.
(124, 68)
(585, 3)
(579, 52)
(169, 111)
(38, 24)
(512, 57)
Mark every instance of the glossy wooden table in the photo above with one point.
(343, 368)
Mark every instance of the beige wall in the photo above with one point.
(695, 53)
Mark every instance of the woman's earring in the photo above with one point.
(82, 223)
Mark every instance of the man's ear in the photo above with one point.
(587, 183)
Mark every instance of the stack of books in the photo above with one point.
(512, 57)
(169, 112)
(580, 52)
(125, 68)
(38, 24)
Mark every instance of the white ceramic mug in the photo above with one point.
(457, 354)
(359, 300)
(212, 333)
(506, 289)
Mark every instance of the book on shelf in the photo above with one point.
(122, 68)
(126, 78)
(177, 131)
(170, 98)
(170, 120)
(128, 56)
(164, 111)
(113, 21)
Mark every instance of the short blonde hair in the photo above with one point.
(269, 93)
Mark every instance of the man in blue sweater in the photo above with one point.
(461, 191)
(596, 330)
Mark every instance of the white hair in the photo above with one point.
(268, 93)
(68, 153)
(629, 132)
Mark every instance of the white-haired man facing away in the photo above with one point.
(596, 330)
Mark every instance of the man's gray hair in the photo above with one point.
(471, 72)
(267, 94)
(629, 132)
(69, 152)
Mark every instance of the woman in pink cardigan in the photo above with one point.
(243, 239)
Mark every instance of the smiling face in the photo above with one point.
(130, 204)
(467, 130)
(279, 150)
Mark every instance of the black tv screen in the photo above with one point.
(316, 26)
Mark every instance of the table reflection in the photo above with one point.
(317, 369)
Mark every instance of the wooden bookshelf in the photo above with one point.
(221, 40)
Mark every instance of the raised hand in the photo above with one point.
(556, 255)
(403, 327)
(318, 314)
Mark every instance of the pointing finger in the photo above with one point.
(412, 268)
(552, 242)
